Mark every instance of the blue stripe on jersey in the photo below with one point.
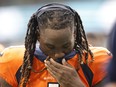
(41, 56)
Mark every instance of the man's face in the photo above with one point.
(56, 43)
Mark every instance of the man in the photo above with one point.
(63, 57)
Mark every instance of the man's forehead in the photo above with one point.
(64, 33)
(54, 31)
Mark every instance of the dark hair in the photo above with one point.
(55, 16)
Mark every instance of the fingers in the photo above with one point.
(58, 70)
(50, 66)
(53, 64)
(47, 58)
(64, 62)
(54, 71)
(51, 71)
(55, 67)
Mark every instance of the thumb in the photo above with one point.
(64, 62)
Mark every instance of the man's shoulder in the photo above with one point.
(10, 60)
(98, 48)
(100, 51)
(12, 53)
(102, 57)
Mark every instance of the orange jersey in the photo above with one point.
(11, 61)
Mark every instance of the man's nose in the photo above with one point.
(59, 55)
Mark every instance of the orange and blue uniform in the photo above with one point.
(11, 61)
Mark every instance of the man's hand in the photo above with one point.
(64, 73)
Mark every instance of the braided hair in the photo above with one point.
(53, 16)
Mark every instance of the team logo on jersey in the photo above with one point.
(53, 84)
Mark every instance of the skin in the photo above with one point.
(55, 44)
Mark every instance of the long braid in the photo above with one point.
(81, 43)
(30, 44)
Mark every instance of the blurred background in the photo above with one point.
(98, 17)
